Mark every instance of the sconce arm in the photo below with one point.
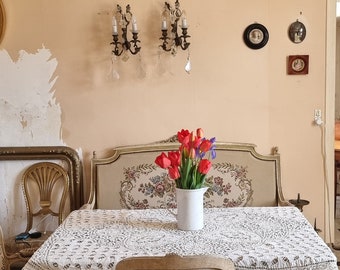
(116, 44)
(134, 43)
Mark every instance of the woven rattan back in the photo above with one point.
(45, 186)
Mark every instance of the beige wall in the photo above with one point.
(232, 92)
(337, 92)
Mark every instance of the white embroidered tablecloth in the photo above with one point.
(252, 237)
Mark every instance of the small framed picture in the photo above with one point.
(298, 64)
(255, 36)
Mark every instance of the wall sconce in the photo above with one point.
(174, 40)
(124, 20)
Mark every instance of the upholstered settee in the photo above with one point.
(240, 176)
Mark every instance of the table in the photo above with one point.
(252, 237)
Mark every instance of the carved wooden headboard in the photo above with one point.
(240, 176)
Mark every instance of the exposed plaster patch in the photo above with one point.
(27, 104)
(29, 115)
(23, 122)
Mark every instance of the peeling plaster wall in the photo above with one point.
(29, 116)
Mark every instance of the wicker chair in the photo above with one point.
(39, 183)
(46, 188)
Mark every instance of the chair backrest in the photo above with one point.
(46, 188)
(175, 262)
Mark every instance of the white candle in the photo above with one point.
(114, 26)
(134, 26)
(184, 23)
(164, 26)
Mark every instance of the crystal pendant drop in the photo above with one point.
(113, 73)
(188, 65)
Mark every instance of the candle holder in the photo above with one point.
(174, 40)
(124, 45)
(299, 203)
(316, 228)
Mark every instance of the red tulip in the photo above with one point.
(205, 146)
(199, 133)
(204, 166)
(184, 149)
(163, 161)
(181, 135)
(175, 158)
(174, 173)
(192, 137)
(192, 153)
(182, 164)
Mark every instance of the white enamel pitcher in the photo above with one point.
(189, 209)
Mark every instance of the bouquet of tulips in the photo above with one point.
(189, 165)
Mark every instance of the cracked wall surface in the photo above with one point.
(29, 116)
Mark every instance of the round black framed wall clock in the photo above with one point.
(256, 36)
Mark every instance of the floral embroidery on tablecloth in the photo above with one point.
(264, 238)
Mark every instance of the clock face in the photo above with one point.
(255, 36)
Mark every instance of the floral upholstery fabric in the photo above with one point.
(148, 186)
(129, 178)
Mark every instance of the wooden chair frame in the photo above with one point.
(6, 260)
(45, 175)
(175, 262)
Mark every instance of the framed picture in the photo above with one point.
(297, 32)
(2, 20)
(255, 36)
(297, 64)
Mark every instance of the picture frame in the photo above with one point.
(2, 20)
(255, 36)
(297, 32)
(298, 64)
